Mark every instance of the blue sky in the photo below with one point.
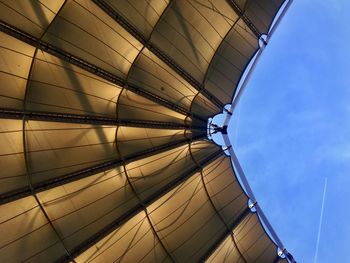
(292, 129)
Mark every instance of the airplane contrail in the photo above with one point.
(321, 219)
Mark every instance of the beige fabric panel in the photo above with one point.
(84, 30)
(142, 14)
(225, 253)
(134, 107)
(253, 242)
(202, 149)
(230, 61)
(132, 242)
(58, 86)
(32, 17)
(151, 174)
(131, 140)
(153, 75)
(189, 205)
(15, 61)
(199, 123)
(224, 189)
(56, 149)
(241, 3)
(107, 194)
(204, 107)
(262, 12)
(26, 234)
(191, 31)
(12, 164)
(186, 221)
(81, 208)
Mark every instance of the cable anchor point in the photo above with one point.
(217, 129)
(253, 204)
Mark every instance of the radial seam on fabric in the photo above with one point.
(109, 228)
(91, 119)
(155, 50)
(234, 224)
(48, 184)
(214, 208)
(241, 14)
(144, 207)
(51, 49)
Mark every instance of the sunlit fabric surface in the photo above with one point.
(104, 155)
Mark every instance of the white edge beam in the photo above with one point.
(243, 86)
(239, 171)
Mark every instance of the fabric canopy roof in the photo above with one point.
(104, 154)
